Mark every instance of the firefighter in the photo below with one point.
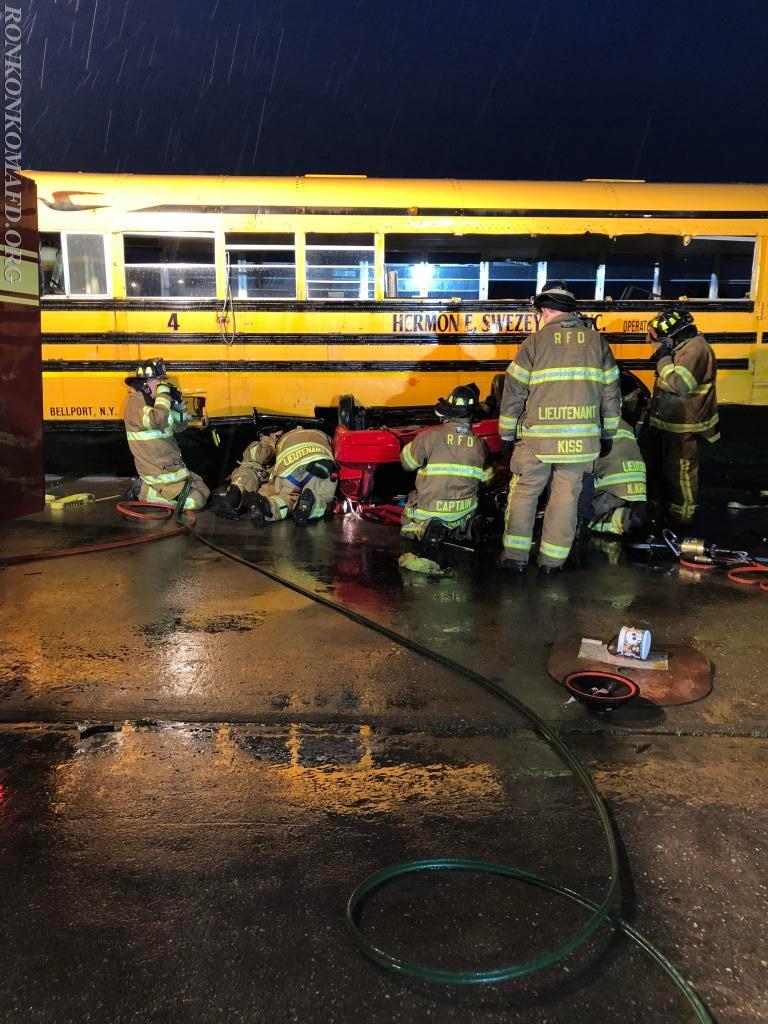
(619, 500)
(559, 410)
(283, 474)
(451, 464)
(683, 412)
(154, 414)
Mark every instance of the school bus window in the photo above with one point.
(443, 276)
(73, 264)
(340, 266)
(170, 266)
(51, 264)
(512, 279)
(434, 267)
(261, 265)
(581, 274)
(631, 277)
(734, 277)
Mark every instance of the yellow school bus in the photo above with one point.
(286, 293)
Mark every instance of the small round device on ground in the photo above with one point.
(601, 690)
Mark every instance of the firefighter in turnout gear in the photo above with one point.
(154, 414)
(559, 411)
(284, 474)
(619, 503)
(451, 464)
(683, 412)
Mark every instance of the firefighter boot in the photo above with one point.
(228, 505)
(432, 540)
(578, 554)
(134, 489)
(303, 510)
(259, 509)
(637, 521)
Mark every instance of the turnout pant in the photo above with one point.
(529, 477)
(673, 471)
(166, 494)
(413, 528)
(248, 477)
(283, 494)
(610, 514)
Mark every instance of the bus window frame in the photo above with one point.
(236, 247)
(106, 241)
(311, 247)
(171, 234)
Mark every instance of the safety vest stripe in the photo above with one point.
(164, 401)
(488, 475)
(611, 375)
(626, 435)
(667, 370)
(508, 424)
(560, 430)
(684, 428)
(166, 478)
(611, 423)
(448, 517)
(553, 550)
(516, 542)
(687, 377)
(615, 524)
(313, 447)
(704, 389)
(689, 505)
(145, 421)
(549, 457)
(621, 478)
(408, 458)
(148, 435)
(568, 373)
(519, 373)
(452, 469)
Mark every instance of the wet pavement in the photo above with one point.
(198, 766)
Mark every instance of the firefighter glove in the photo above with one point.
(507, 448)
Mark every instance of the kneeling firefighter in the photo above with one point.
(292, 473)
(452, 463)
(683, 412)
(154, 414)
(618, 488)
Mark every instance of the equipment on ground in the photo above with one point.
(601, 691)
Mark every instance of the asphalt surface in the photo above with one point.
(198, 766)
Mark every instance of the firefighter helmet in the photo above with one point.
(149, 369)
(669, 322)
(555, 295)
(463, 401)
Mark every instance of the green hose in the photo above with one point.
(600, 912)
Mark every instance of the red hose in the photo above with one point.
(749, 575)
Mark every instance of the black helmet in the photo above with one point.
(463, 401)
(555, 295)
(150, 369)
(670, 321)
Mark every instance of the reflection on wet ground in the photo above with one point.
(198, 766)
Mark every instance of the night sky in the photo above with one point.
(668, 91)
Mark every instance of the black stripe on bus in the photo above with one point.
(436, 306)
(324, 340)
(387, 211)
(330, 366)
